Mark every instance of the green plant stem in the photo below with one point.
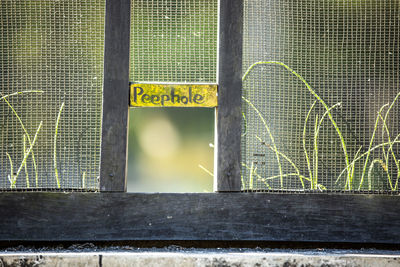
(26, 169)
(286, 175)
(251, 176)
(370, 145)
(11, 175)
(23, 126)
(84, 180)
(29, 150)
(315, 157)
(258, 177)
(349, 182)
(14, 178)
(365, 154)
(270, 136)
(301, 177)
(384, 127)
(397, 162)
(304, 141)
(343, 143)
(371, 167)
(317, 129)
(55, 146)
(390, 150)
(201, 167)
(245, 124)
(21, 93)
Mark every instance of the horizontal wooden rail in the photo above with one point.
(214, 216)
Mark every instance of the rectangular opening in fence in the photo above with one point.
(320, 96)
(171, 150)
(173, 75)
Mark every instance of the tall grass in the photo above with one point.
(4, 97)
(320, 100)
(370, 145)
(385, 129)
(13, 177)
(312, 166)
(270, 136)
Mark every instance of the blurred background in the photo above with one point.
(166, 147)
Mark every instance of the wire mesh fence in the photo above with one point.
(51, 72)
(320, 88)
(174, 41)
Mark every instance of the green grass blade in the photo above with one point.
(349, 181)
(201, 167)
(84, 180)
(55, 147)
(371, 167)
(385, 128)
(251, 176)
(301, 177)
(264, 180)
(21, 93)
(367, 153)
(23, 126)
(28, 151)
(343, 143)
(315, 154)
(304, 140)
(270, 136)
(317, 129)
(11, 175)
(25, 167)
(370, 145)
(245, 124)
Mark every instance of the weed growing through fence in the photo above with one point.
(270, 136)
(55, 147)
(12, 178)
(84, 180)
(25, 167)
(4, 97)
(28, 147)
(312, 167)
(370, 146)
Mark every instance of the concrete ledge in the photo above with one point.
(200, 258)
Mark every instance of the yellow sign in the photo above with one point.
(173, 95)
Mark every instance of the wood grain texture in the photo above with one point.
(219, 216)
(229, 96)
(115, 96)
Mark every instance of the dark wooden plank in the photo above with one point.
(220, 216)
(229, 96)
(115, 96)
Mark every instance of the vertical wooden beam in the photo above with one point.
(228, 155)
(115, 96)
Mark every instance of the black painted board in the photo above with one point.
(214, 216)
(115, 96)
(229, 95)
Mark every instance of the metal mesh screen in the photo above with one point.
(320, 107)
(174, 41)
(51, 72)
